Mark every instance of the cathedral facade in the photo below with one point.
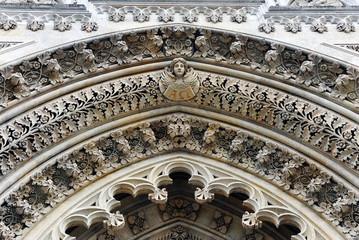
(159, 120)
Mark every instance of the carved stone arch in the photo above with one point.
(242, 101)
(98, 205)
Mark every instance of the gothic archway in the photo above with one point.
(77, 115)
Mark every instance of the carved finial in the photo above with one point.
(179, 81)
(159, 196)
(203, 195)
(114, 223)
(250, 221)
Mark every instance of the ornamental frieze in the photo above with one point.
(313, 72)
(293, 173)
(33, 132)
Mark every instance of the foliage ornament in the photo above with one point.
(227, 48)
(266, 159)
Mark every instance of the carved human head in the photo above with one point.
(179, 67)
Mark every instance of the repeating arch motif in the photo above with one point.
(145, 181)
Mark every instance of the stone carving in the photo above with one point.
(203, 195)
(8, 24)
(214, 16)
(141, 15)
(190, 16)
(252, 235)
(318, 26)
(62, 25)
(165, 16)
(137, 222)
(35, 25)
(179, 207)
(240, 50)
(179, 82)
(180, 233)
(116, 14)
(178, 40)
(221, 222)
(317, 3)
(238, 16)
(293, 27)
(289, 171)
(116, 222)
(250, 221)
(89, 26)
(346, 26)
(12, 85)
(266, 27)
(209, 137)
(179, 128)
(80, 59)
(159, 196)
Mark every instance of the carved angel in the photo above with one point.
(179, 81)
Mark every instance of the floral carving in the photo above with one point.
(165, 16)
(159, 196)
(12, 85)
(253, 235)
(318, 26)
(35, 25)
(221, 222)
(346, 26)
(293, 27)
(115, 223)
(180, 233)
(116, 14)
(190, 16)
(179, 128)
(8, 24)
(203, 195)
(293, 173)
(238, 16)
(89, 26)
(62, 25)
(178, 40)
(240, 50)
(179, 207)
(214, 16)
(78, 60)
(141, 15)
(250, 221)
(266, 27)
(137, 222)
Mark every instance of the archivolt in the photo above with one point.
(112, 82)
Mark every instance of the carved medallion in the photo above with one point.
(179, 82)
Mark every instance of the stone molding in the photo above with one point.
(291, 172)
(221, 182)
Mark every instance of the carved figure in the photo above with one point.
(179, 81)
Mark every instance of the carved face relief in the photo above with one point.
(178, 69)
(179, 82)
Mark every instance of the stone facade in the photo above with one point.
(179, 120)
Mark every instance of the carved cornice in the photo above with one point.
(118, 149)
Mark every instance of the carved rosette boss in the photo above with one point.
(179, 82)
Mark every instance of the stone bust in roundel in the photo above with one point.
(179, 82)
